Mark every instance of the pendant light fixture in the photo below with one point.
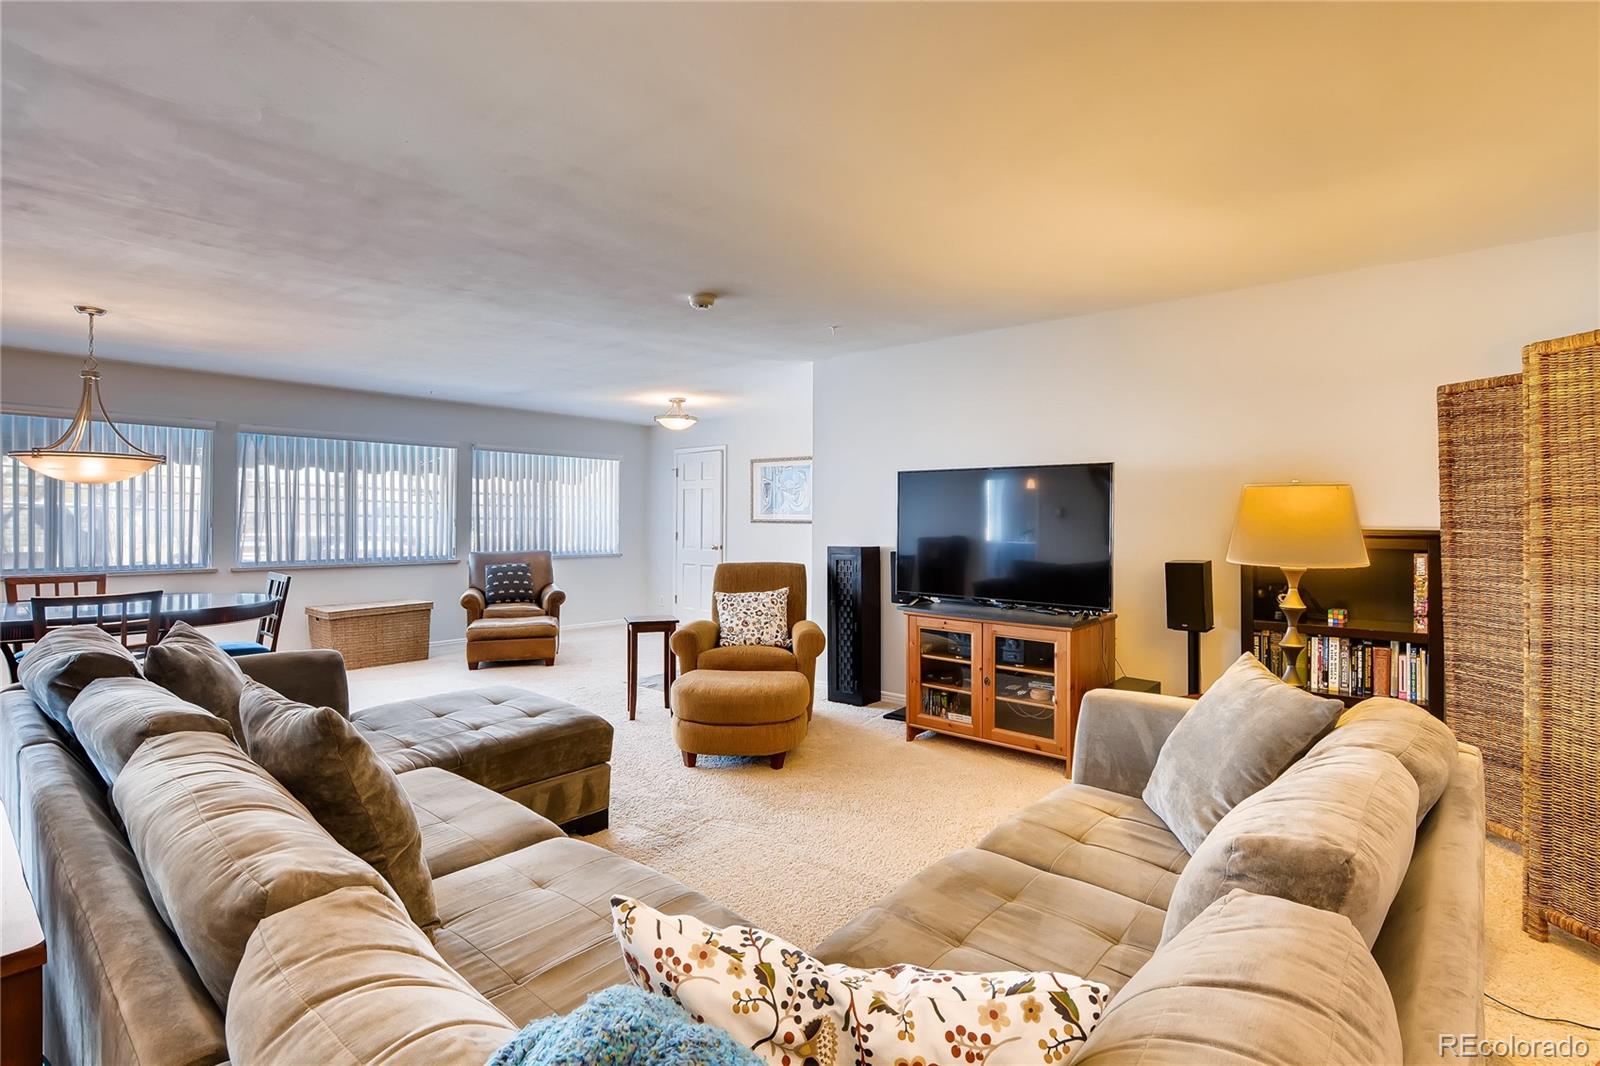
(71, 456)
(675, 417)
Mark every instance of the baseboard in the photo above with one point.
(891, 697)
(461, 642)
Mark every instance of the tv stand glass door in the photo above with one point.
(946, 681)
(1022, 705)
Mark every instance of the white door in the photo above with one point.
(698, 528)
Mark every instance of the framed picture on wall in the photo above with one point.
(780, 489)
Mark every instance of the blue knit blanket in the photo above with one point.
(623, 1026)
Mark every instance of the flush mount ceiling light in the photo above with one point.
(675, 417)
(71, 456)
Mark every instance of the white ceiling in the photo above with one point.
(509, 202)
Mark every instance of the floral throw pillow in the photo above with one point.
(753, 618)
(794, 1010)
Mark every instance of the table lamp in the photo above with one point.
(1297, 528)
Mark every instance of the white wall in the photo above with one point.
(1327, 378)
(777, 422)
(598, 589)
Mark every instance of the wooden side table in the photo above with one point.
(666, 625)
(21, 961)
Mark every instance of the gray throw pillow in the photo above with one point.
(191, 666)
(1235, 741)
(112, 717)
(1253, 981)
(1335, 832)
(65, 661)
(1423, 744)
(317, 755)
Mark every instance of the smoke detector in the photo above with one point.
(702, 301)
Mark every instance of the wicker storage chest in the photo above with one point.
(372, 634)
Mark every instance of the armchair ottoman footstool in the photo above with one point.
(740, 712)
(497, 640)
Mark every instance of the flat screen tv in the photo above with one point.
(1033, 536)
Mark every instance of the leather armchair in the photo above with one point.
(549, 598)
(696, 644)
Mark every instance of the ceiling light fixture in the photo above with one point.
(675, 417)
(71, 456)
(702, 301)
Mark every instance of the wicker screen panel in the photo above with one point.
(1561, 737)
(1482, 504)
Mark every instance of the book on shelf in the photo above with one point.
(1419, 592)
(1345, 666)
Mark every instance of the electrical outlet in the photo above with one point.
(661, 601)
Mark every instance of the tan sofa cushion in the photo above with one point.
(464, 823)
(189, 664)
(747, 657)
(532, 930)
(114, 715)
(118, 988)
(63, 663)
(1238, 737)
(977, 910)
(1335, 832)
(499, 736)
(1423, 744)
(222, 846)
(346, 979)
(326, 765)
(1103, 838)
(1253, 981)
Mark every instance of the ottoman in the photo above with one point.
(496, 640)
(548, 755)
(740, 712)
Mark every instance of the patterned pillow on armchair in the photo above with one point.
(508, 583)
(746, 618)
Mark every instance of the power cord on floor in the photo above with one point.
(1539, 1017)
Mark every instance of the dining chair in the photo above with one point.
(137, 612)
(34, 585)
(266, 629)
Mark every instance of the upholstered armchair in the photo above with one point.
(696, 644)
(550, 597)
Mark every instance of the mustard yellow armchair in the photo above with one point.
(696, 645)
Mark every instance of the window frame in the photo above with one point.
(614, 552)
(349, 540)
(56, 491)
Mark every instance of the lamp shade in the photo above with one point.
(1304, 527)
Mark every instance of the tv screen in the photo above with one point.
(1032, 535)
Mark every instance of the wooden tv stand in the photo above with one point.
(1009, 678)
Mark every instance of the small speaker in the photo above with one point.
(895, 595)
(1189, 595)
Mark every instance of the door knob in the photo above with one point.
(716, 547)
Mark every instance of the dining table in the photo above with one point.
(196, 608)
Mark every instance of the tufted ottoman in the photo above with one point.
(548, 755)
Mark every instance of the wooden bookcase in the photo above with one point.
(1378, 597)
(1016, 684)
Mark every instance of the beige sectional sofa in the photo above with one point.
(336, 973)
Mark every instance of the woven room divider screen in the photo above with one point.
(1561, 721)
(1482, 505)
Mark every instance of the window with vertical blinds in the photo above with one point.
(563, 504)
(317, 500)
(160, 520)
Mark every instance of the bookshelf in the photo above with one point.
(1379, 599)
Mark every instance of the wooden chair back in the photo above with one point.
(267, 628)
(56, 584)
(135, 613)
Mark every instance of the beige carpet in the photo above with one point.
(856, 810)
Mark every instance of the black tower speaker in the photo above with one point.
(854, 626)
(1189, 607)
